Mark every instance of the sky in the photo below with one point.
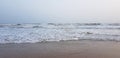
(42, 11)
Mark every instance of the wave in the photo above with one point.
(43, 35)
(64, 26)
(32, 33)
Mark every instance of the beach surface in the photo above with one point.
(63, 49)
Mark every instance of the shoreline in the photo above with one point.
(108, 40)
(62, 49)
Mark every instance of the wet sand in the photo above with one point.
(64, 49)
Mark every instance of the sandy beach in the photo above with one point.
(63, 49)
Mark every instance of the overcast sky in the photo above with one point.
(37, 11)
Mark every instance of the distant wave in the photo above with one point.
(64, 26)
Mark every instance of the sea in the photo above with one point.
(46, 32)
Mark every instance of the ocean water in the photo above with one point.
(32, 33)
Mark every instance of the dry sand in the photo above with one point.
(67, 49)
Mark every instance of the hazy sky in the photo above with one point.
(37, 11)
